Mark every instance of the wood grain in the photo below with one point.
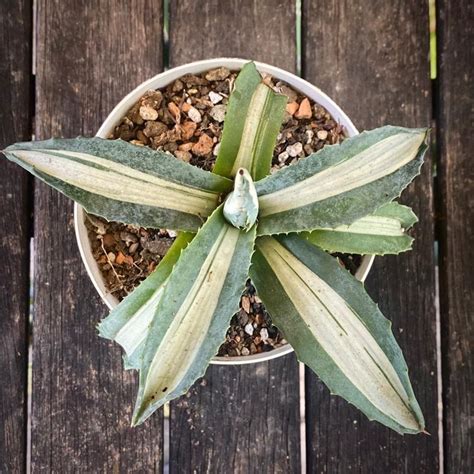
(89, 54)
(15, 216)
(240, 419)
(455, 119)
(372, 58)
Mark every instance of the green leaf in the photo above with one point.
(335, 329)
(341, 183)
(129, 322)
(381, 233)
(124, 182)
(202, 294)
(245, 84)
(262, 124)
(251, 127)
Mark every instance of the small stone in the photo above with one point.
(292, 107)
(120, 258)
(245, 302)
(304, 110)
(136, 142)
(186, 146)
(245, 351)
(185, 107)
(218, 112)
(203, 146)
(128, 237)
(283, 156)
(178, 86)
(242, 317)
(108, 240)
(154, 129)
(289, 92)
(214, 97)
(215, 151)
(309, 136)
(187, 130)
(294, 150)
(218, 74)
(148, 113)
(194, 114)
(322, 134)
(111, 257)
(249, 329)
(264, 334)
(133, 248)
(172, 233)
(174, 111)
(158, 246)
(183, 155)
(152, 99)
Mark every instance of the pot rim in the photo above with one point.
(161, 80)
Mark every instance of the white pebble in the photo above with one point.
(295, 150)
(218, 113)
(322, 134)
(309, 136)
(172, 233)
(264, 334)
(194, 115)
(111, 257)
(148, 113)
(245, 351)
(214, 97)
(215, 152)
(283, 156)
(249, 329)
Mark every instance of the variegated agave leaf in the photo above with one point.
(253, 119)
(201, 295)
(341, 183)
(381, 233)
(128, 323)
(124, 182)
(335, 329)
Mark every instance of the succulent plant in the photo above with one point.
(239, 221)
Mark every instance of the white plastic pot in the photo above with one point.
(160, 81)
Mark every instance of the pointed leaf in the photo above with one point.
(381, 233)
(262, 124)
(245, 84)
(341, 183)
(124, 182)
(192, 318)
(336, 329)
(129, 322)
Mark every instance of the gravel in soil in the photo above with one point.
(185, 119)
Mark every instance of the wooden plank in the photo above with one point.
(240, 419)
(455, 117)
(15, 125)
(89, 54)
(372, 58)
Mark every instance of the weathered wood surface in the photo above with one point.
(15, 119)
(240, 419)
(372, 58)
(455, 118)
(89, 54)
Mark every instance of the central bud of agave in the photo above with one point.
(241, 205)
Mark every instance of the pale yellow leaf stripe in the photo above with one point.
(375, 162)
(372, 225)
(252, 125)
(341, 333)
(119, 182)
(193, 319)
(135, 330)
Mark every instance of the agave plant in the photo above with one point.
(239, 221)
